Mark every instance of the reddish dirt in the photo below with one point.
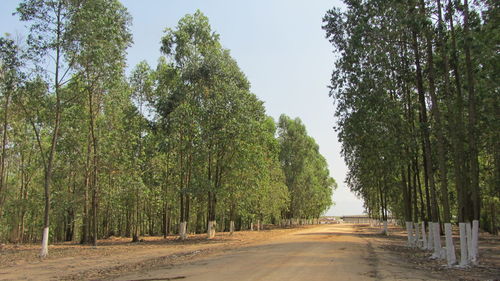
(322, 252)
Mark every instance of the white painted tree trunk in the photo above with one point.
(45, 243)
(450, 248)
(385, 231)
(231, 227)
(417, 235)
(183, 230)
(475, 245)
(211, 229)
(258, 225)
(251, 226)
(424, 237)
(409, 230)
(430, 239)
(464, 260)
(468, 229)
(437, 241)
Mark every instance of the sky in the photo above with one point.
(278, 44)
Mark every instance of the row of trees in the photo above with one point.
(167, 150)
(416, 89)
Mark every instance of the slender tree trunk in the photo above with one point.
(165, 220)
(437, 116)
(3, 182)
(406, 196)
(473, 133)
(55, 133)
(450, 248)
(166, 215)
(420, 192)
(94, 178)
(473, 137)
(425, 128)
(457, 133)
(86, 218)
(136, 221)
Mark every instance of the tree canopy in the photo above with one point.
(168, 149)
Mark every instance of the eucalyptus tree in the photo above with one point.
(254, 188)
(187, 139)
(177, 109)
(123, 160)
(141, 82)
(306, 175)
(97, 51)
(212, 92)
(47, 41)
(486, 38)
(392, 72)
(10, 78)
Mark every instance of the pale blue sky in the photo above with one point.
(278, 44)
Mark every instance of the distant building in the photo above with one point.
(329, 220)
(365, 219)
(356, 219)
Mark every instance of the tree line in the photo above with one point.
(417, 108)
(183, 147)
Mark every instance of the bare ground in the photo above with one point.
(324, 252)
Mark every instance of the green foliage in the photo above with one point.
(306, 171)
(396, 65)
(185, 141)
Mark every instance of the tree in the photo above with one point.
(47, 40)
(387, 72)
(98, 52)
(307, 177)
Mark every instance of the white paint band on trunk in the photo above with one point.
(45, 243)
(416, 242)
(409, 231)
(470, 250)
(450, 248)
(475, 243)
(211, 229)
(437, 240)
(464, 259)
(430, 240)
(424, 237)
(183, 230)
(231, 227)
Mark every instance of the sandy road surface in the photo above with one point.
(320, 252)
(324, 252)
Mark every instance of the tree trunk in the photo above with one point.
(4, 144)
(86, 218)
(457, 131)
(232, 214)
(437, 116)
(231, 227)
(211, 229)
(463, 244)
(165, 220)
(94, 174)
(473, 133)
(425, 127)
(55, 133)
(450, 248)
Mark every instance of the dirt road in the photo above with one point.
(325, 252)
(320, 252)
